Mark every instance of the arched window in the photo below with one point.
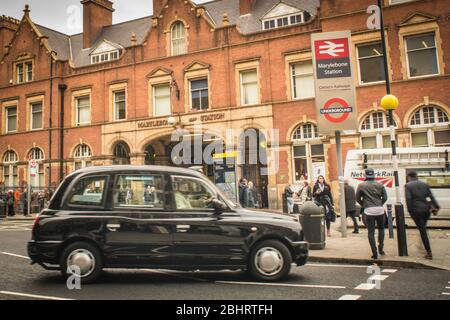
(10, 174)
(308, 152)
(82, 156)
(375, 131)
(178, 38)
(429, 127)
(306, 131)
(121, 154)
(37, 155)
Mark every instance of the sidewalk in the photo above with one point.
(19, 217)
(355, 249)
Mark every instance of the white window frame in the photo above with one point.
(32, 105)
(241, 73)
(180, 40)
(429, 128)
(77, 120)
(303, 75)
(7, 110)
(405, 39)
(288, 16)
(359, 66)
(154, 97)
(105, 57)
(82, 154)
(190, 92)
(115, 103)
(11, 164)
(378, 133)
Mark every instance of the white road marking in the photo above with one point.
(447, 287)
(281, 284)
(15, 255)
(173, 274)
(334, 265)
(32, 295)
(446, 293)
(378, 277)
(389, 270)
(349, 297)
(366, 286)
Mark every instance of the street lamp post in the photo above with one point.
(390, 103)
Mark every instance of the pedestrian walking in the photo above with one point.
(10, 203)
(421, 204)
(289, 195)
(243, 193)
(322, 195)
(17, 202)
(350, 205)
(305, 193)
(372, 196)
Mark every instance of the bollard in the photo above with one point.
(401, 230)
(390, 222)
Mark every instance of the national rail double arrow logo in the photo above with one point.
(332, 49)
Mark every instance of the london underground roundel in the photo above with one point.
(336, 110)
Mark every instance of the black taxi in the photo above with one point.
(159, 217)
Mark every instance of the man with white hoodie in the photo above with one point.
(372, 196)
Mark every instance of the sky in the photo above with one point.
(67, 15)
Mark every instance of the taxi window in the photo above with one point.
(89, 192)
(139, 191)
(191, 194)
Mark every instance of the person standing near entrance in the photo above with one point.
(243, 193)
(322, 195)
(421, 204)
(10, 202)
(372, 196)
(350, 205)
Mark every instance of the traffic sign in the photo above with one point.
(334, 83)
(32, 167)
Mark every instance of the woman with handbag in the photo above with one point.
(322, 194)
(421, 204)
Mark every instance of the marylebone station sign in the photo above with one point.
(334, 83)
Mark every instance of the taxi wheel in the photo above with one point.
(81, 260)
(270, 260)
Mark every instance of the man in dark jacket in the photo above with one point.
(350, 205)
(372, 196)
(421, 203)
(243, 193)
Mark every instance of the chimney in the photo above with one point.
(157, 7)
(246, 6)
(96, 15)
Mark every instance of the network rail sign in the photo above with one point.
(335, 88)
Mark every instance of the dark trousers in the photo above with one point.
(421, 219)
(352, 214)
(328, 223)
(10, 210)
(371, 222)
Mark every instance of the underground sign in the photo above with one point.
(334, 83)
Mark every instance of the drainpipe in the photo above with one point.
(50, 124)
(62, 88)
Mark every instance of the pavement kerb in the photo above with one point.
(385, 263)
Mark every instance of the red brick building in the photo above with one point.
(105, 96)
